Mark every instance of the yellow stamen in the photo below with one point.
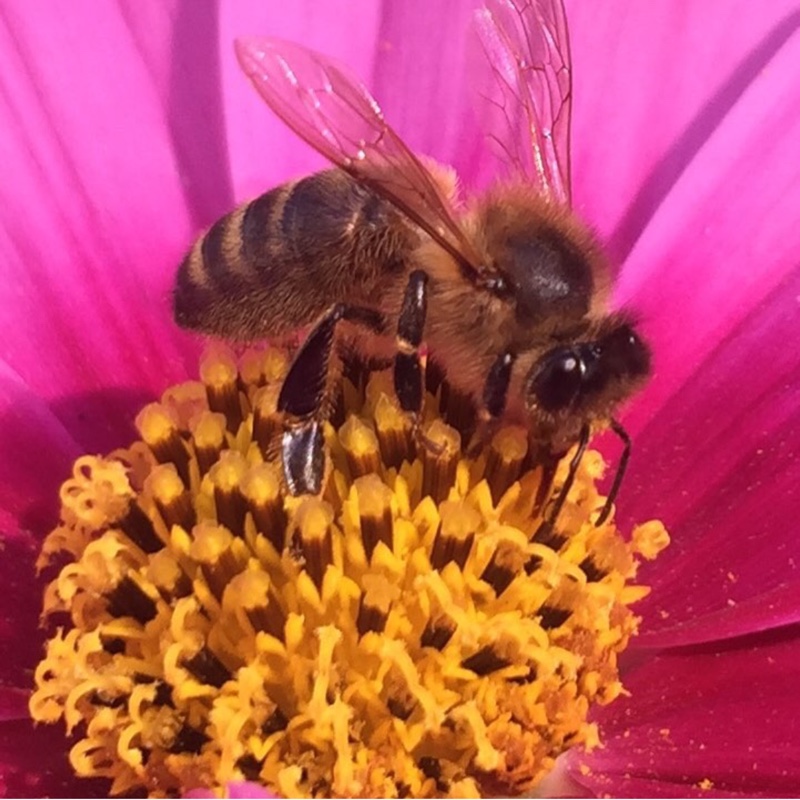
(414, 631)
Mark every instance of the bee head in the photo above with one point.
(589, 378)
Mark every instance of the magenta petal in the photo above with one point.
(92, 211)
(20, 611)
(33, 763)
(771, 607)
(630, 143)
(261, 150)
(37, 454)
(728, 714)
(722, 471)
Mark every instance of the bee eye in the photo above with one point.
(557, 381)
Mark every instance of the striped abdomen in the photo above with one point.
(276, 263)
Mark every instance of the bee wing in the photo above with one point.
(528, 92)
(324, 104)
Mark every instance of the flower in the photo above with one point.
(423, 628)
(124, 132)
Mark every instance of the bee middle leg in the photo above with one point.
(409, 375)
(304, 394)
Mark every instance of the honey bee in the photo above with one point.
(508, 292)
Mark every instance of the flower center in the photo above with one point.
(409, 632)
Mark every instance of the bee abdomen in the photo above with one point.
(276, 263)
(224, 267)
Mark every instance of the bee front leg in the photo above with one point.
(303, 398)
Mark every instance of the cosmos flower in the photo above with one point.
(126, 129)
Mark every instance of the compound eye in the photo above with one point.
(557, 382)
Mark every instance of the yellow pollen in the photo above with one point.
(414, 631)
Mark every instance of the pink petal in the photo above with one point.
(715, 278)
(729, 714)
(33, 763)
(92, 211)
(651, 82)
(37, 455)
(20, 615)
(262, 152)
(724, 477)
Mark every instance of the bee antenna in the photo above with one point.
(620, 474)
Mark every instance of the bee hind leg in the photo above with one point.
(304, 394)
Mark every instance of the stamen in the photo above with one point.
(394, 433)
(220, 376)
(504, 460)
(375, 513)
(261, 488)
(312, 533)
(440, 456)
(416, 630)
(208, 430)
(172, 500)
(456, 533)
(361, 447)
(159, 430)
(267, 422)
(227, 476)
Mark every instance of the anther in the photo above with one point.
(252, 591)
(138, 527)
(553, 617)
(506, 563)
(361, 448)
(166, 574)
(267, 421)
(128, 599)
(261, 487)
(208, 433)
(547, 535)
(376, 601)
(312, 532)
(375, 513)
(215, 549)
(439, 463)
(227, 475)
(219, 374)
(455, 536)
(504, 460)
(174, 503)
(160, 432)
(437, 633)
(207, 668)
(393, 429)
(485, 661)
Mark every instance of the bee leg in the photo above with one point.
(303, 398)
(620, 474)
(409, 370)
(546, 530)
(409, 374)
(495, 393)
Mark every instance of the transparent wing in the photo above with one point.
(331, 110)
(527, 92)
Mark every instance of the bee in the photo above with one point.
(508, 292)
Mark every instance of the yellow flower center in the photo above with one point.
(412, 632)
